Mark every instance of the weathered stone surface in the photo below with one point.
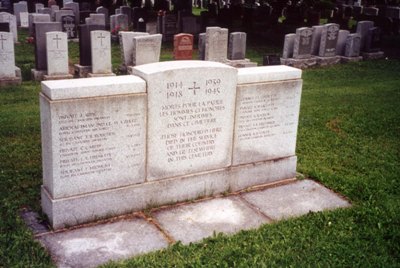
(24, 19)
(295, 199)
(41, 28)
(353, 43)
(267, 116)
(237, 46)
(216, 45)
(126, 45)
(302, 43)
(288, 46)
(193, 222)
(33, 18)
(82, 151)
(12, 20)
(362, 30)
(341, 42)
(190, 115)
(300, 63)
(326, 61)
(202, 46)
(329, 38)
(146, 49)
(7, 57)
(94, 245)
(316, 39)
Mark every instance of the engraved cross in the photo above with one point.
(194, 88)
(101, 38)
(56, 39)
(2, 41)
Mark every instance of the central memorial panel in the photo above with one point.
(190, 117)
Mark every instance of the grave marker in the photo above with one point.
(126, 46)
(146, 49)
(57, 56)
(216, 45)
(302, 43)
(237, 46)
(101, 53)
(24, 19)
(41, 28)
(11, 19)
(341, 43)
(7, 60)
(329, 38)
(19, 7)
(362, 30)
(69, 26)
(288, 46)
(183, 46)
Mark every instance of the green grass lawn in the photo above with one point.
(348, 139)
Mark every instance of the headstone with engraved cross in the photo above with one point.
(302, 43)
(7, 60)
(101, 53)
(57, 56)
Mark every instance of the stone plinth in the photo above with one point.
(300, 63)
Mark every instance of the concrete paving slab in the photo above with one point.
(95, 245)
(295, 199)
(193, 222)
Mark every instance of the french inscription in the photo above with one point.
(198, 116)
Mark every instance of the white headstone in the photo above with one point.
(146, 49)
(126, 44)
(216, 46)
(57, 53)
(7, 57)
(190, 116)
(101, 52)
(24, 19)
(11, 19)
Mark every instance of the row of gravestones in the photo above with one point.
(327, 44)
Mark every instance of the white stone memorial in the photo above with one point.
(101, 54)
(24, 19)
(172, 131)
(7, 60)
(12, 20)
(216, 44)
(146, 49)
(126, 45)
(57, 56)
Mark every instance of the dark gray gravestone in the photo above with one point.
(271, 60)
(373, 40)
(341, 43)
(105, 12)
(41, 28)
(137, 13)
(33, 18)
(288, 46)
(237, 46)
(329, 38)
(169, 26)
(353, 43)
(75, 8)
(85, 54)
(128, 12)
(302, 43)
(69, 26)
(362, 29)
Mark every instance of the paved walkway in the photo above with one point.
(127, 236)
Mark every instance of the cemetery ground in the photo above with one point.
(348, 139)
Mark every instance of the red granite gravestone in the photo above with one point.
(183, 46)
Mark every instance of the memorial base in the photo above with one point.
(82, 71)
(350, 59)
(38, 75)
(93, 206)
(58, 77)
(100, 75)
(241, 63)
(122, 69)
(373, 55)
(300, 63)
(326, 61)
(10, 81)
